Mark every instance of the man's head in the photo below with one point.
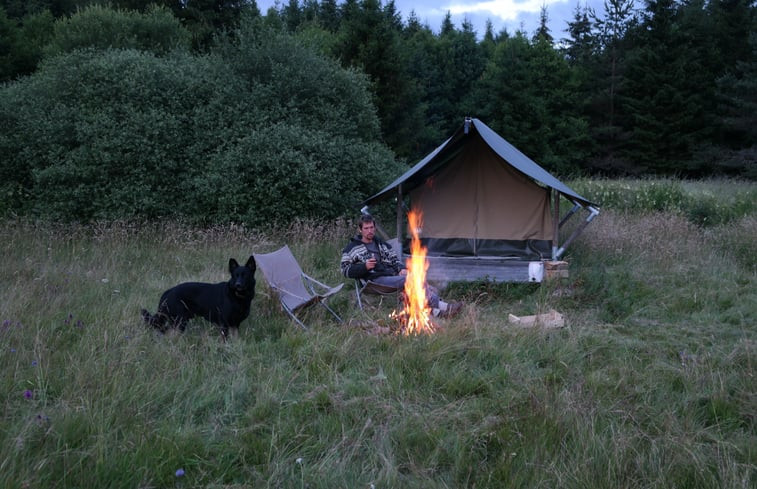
(367, 227)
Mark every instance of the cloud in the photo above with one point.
(507, 10)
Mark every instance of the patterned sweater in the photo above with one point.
(355, 254)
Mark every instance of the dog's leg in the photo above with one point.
(180, 322)
(183, 316)
(157, 320)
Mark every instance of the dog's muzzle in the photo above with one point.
(241, 293)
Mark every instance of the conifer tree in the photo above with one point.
(542, 32)
(737, 113)
(582, 45)
(527, 95)
(461, 61)
(328, 14)
(369, 39)
(608, 74)
(668, 89)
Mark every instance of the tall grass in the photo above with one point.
(705, 203)
(651, 385)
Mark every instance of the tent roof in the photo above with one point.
(452, 146)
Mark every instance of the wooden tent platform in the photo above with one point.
(444, 269)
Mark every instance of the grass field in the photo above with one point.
(651, 384)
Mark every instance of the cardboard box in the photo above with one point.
(548, 320)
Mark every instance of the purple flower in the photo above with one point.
(180, 473)
(13, 350)
(6, 323)
(28, 394)
(34, 363)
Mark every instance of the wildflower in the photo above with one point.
(28, 394)
(299, 460)
(34, 363)
(13, 350)
(180, 473)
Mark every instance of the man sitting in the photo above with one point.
(368, 257)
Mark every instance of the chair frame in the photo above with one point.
(363, 286)
(307, 285)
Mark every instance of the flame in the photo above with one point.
(415, 318)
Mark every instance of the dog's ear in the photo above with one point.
(233, 265)
(251, 263)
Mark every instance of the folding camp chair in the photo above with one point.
(296, 289)
(372, 288)
(363, 287)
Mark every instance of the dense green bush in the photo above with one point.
(109, 134)
(260, 130)
(293, 83)
(295, 172)
(95, 26)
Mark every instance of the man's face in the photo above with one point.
(367, 230)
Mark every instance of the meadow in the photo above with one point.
(650, 385)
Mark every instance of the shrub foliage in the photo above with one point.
(156, 30)
(259, 130)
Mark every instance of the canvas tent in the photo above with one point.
(481, 197)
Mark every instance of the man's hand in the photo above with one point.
(403, 271)
(370, 264)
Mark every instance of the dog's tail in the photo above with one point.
(157, 321)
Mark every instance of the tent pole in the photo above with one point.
(555, 224)
(593, 212)
(570, 213)
(399, 217)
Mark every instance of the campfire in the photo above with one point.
(415, 317)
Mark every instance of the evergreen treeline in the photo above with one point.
(125, 109)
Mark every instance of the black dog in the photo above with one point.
(226, 304)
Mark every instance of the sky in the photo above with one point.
(504, 14)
